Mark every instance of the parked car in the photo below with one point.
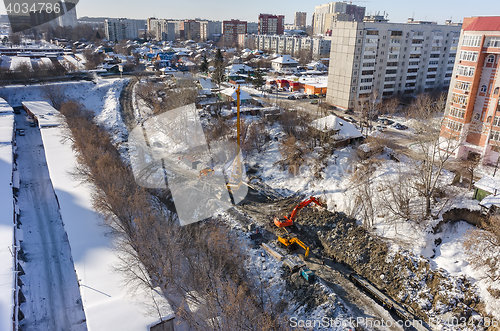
(314, 102)
(380, 128)
(400, 126)
(22, 132)
(291, 97)
(32, 124)
(352, 120)
(348, 111)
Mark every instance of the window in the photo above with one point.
(368, 57)
(371, 40)
(433, 63)
(369, 64)
(491, 58)
(459, 98)
(484, 89)
(436, 49)
(392, 57)
(454, 126)
(468, 56)
(465, 71)
(390, 71)
(496, 121)
(472, 41)
(413, 63)
(492, 42)
(476, 117)
(495, 135)
(392, 64)
(432, 69)
(457, 112)
(496, 90)
(431, 76)
(412, 70)
(434, 56)
(416, 41)
(367, 72)
(396, 33)
(372, 32)
(366, 80)
(411, 78)
(390, 79)
(465, 86)
(367, 87)
(370, 49)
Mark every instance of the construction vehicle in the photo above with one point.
(308, 274)
(288, 221)
(290, 241)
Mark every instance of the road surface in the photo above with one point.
(50, 287)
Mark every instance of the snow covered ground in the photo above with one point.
(53, 300)
(336, 188)
(105, 298)
(101, 96)
(6, 220)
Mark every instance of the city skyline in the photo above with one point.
(398, 12)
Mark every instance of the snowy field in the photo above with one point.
(6, 221)
(102, 97)
(106, 301)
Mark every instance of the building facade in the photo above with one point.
(120, 29)
(271, 24)
(473, 105)
(335, 11)
(300, 21)
(292, 45)
(231, 29)
(210, 30)
(191, 30)
(389, 59)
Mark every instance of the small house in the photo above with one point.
(487, 191)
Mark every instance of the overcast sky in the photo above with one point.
(398, 10)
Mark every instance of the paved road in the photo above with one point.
(51, 289)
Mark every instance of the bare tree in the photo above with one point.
(434, 146)
(483, 246)
(471, 163)
(54, 94)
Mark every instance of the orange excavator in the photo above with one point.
(288, 221)
(206, 173)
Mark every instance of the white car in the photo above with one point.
(22, 132)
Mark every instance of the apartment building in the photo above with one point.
(300, 20)
(231, 29)
(191, 30)
(325, 14)
(163, 30)
(389, 59)
(119, 29)
(292, 45)
(473, 105)
(210, 30)
(252, 27)
(271, 24)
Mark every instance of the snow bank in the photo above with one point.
(106, 303)
(7, 219)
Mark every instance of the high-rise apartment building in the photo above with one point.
(300, 20)
(271, 24)
(191, 30)
(325, 14)
(318, 47)
(473, 105)
(210, 30)
(231, 29)
(119, 29)
(389, 59)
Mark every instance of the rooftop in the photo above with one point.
(481, 23)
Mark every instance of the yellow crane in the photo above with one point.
(236, 178)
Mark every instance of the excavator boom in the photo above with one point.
(289, 220)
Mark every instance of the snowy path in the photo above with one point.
(52, 294)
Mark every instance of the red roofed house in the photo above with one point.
(473, 106)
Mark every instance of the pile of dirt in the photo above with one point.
(306, 295)
(406, 278)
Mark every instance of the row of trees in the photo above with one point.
(199, 265)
